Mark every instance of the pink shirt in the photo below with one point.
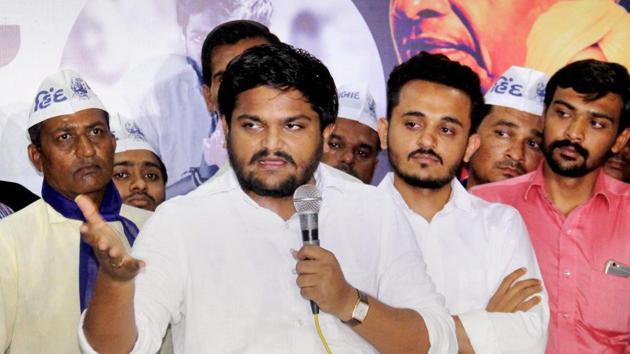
(590, 310)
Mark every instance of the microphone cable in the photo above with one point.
(321, 334)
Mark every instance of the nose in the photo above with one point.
(273, 140)
(85, 148)
(576, 130)
(516, 151)
(426, 139)
(347, 156)
(423, 9)
(138, 184)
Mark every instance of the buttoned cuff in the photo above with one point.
(480, 331)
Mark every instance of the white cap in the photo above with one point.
(356, 103)
(520, 88)
(130, 137)
(61, 93)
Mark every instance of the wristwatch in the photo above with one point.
(360, 310)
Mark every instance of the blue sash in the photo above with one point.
(110, 211)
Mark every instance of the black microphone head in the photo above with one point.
(307, 199)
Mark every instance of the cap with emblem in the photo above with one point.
(130, 137)
(519, 88)
(64, 92)
(356, 103)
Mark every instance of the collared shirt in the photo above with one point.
(469, 247)
(590, 310)
(39, 282)
(5, 211)
(219, 268)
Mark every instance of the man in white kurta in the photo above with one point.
(469, 245)
(46, 272)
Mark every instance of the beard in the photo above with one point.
(420, 182)
(574, 171)
(283, 189)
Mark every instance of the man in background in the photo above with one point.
(352, 144)
(618, 165)
(139, 174)
(510, 134)
(576, 215)
(225, 42)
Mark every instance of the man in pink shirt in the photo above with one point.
(578, 217)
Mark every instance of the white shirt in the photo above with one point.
(469, 247)
(219, 268)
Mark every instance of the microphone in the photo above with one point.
(307, 200)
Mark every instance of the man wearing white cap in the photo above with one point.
(511, 132)
(139, 174)
(352, 143)
(47, 271)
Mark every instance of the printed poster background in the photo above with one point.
(140, 55)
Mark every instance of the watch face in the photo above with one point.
(360, 311)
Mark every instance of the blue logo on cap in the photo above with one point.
(134, 131)
(80, 87)
(540, 91)
(47, 97)
(505, 86)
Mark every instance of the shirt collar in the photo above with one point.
(600, 189)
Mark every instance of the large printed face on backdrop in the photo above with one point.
(428, 134)
(77, 152)
(274, 141)
(487, 35)
(580, 134)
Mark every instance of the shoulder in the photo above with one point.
(507, 189)
(353, 189)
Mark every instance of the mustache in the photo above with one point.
(425, 151)
(511, 164)
(348, 169)
(568, 143)
(259, 155)
(143, 194)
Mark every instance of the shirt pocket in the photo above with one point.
(608, 303)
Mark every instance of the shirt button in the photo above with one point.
(565, 315)
(569, 232)
(567, 273)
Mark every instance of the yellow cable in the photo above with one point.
(321, 335)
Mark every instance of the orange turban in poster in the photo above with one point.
(579, 29)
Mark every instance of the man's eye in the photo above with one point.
(597, 124)
(63, 137)
(447, 131)
(121, 175)
(334, 145)
(293, 126)
(562, 113)
(501, 133)
(533, 144)
(152, 176)
(364, 154)
(412, 125)
(96, 131)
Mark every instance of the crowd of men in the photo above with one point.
(503, 226)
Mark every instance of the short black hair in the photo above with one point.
(35, 132)
(437, 68)
(594, 79)
(282, 67)
(222, 10)
(231, 33)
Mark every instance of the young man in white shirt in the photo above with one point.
(474, 250)
(217, 264)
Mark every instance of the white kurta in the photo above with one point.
(39, 279)
(219, 268)
(469, 247)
